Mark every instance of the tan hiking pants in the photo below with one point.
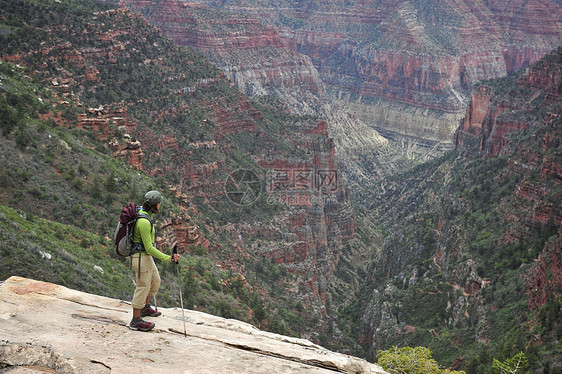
(147, 283)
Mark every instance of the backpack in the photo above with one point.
(123, 237)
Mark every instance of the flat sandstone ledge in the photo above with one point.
(46, 328)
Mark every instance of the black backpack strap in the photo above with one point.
(140, 246)
(140, 254)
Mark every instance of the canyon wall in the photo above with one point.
(257, 59)
(424, 55)
(250, 54)
(491, 115)
(322, 220)
(482, 223)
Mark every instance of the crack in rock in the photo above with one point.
(98, 319)
(353, 368)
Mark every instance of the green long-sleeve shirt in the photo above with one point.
(145, 233)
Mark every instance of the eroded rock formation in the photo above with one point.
(490, 117)
(388, 58)
(258, 60)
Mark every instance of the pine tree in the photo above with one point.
(515, 365)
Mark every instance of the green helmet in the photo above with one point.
(152, 198)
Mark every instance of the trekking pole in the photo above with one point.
(174, 252)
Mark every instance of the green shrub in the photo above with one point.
(408, 360)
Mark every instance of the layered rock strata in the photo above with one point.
(491, 117)
(257, 59)
(322, 218)
(422, 57)
(250, 54)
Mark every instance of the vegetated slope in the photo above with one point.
(67, 189)
(472, 261)
(48, 171)
(104, 108)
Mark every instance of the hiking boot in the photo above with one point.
(147, 311)
(141, 325)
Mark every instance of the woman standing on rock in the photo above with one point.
(147, 275)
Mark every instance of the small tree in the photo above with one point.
(408, 360)
(95, 191)
(515, 365)
(111, 183)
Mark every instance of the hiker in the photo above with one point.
(148, 278)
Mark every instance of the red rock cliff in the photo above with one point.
(496, 115)
(421, 54)
(322, 219)
(252, 55)
(492, 115)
